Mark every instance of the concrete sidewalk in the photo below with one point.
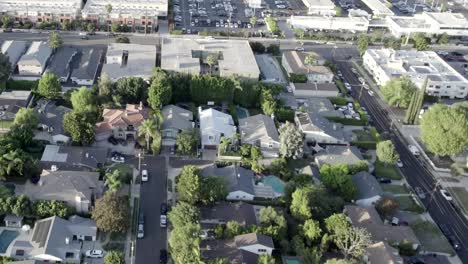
(130, 244)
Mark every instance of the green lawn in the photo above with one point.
(363, 135)
(461, 195)
(6, 124)
(430, 237)
(406, 203)
(390, 171)
(396, 189)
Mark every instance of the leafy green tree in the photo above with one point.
(420, 41)
(26, 118)
(122, 39)
(338, 10)
(362, 43)
(90, 27)
(84, 100)
(49, 86)
(398, 92)
(79, 127)
(340, 261)
(105, 85)
(22, 206)
(156, 143)
(7, 21)
(265, 259)
(291, 141)
(299, 32)
(386, 152)
(311, 230)
(130, 90)
(219, 261)
(377, 35)
(44, 209)
(444, 128)
(114, 180)
(393, 43)
(253, 21)
(338, 179)
(417, 100)
(160, 91)
(108, 9)
(353, 242)
(184, 213)
(189, 185)
(214, 189)
(55, 40)
(114, 257)
(185, 244)
(233, 228)
(443, 39)
(115, 27)
(5, 67)
(111, 213)
(312, 256)
(187, 142)
(207, 87)
(272, 223)
(66, 25)
(211, 60)
(336, 223)
(13, 163)
(310, 59)
(300, 204)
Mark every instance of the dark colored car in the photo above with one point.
(385, 180)
(163, 208)
(163, 256)
(455, 243)
(141, 218)
(85, 37)
(445, 229)
(116, 154)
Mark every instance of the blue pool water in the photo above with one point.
(275, 183)
(242, 112)
(6, 237)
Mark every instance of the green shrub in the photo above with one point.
(272, 25)
(365, 144)
(341, 87)
(338, 100)
(284, 114)
(349, 122)
(22, 85)
(297, 78)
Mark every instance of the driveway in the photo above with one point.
(152, 194)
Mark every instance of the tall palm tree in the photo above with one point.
(108, 8)
(147, 129)
(310, 59)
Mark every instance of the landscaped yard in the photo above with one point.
(461, 195)
(431, 238)
(389, 171)
(5, 124)
(363, 135)
(396, 189)
(123, 168)
(406, 203)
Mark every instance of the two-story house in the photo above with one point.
(121, 123)
(176, 120)
(34, 61)
(260, 130)
(213, 126)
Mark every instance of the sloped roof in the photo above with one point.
(212, 119)
(60, 62)
(296, 60)
(13, 49)
(87, 63)
(382, 253)
(367, 185)
(177, 117)
(312, 122)
(37, 54)
(258, 128)
(73, 158)
(338, 154)
(252, 239)
(131, 115)
(240, 212)
(237, 178)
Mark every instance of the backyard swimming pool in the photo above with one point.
(276, 184)
(6, 237)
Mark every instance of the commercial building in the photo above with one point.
(234, 57)
(41, 10)
(442, 79)
(353, 24)
(320, 7)
(453, 24)
(129, 60)
(34, 61)
(136, 14)
(379, 7)
(14, 49)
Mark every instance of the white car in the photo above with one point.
(118, 159)
(354, 70)
(141, 231)
(94, 253)
(144, 175)
(163, 221)
(361, 80)
(347, 85)
(350, 106)
(371, 93)
(299, 49)
(399, 163)
(414, 150)
(365, 86)
(446, 195)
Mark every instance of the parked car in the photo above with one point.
(361, 80)
(299, 49)
(85, 37)
(414, 150)
(454, 241)
(446, 195)
(144, 175)
(371, 93)
(163, 208)
(348, 86)
(113, 141)
(399, 163)
(95, 253)
(445, 229)
(385, 180)
(163, 221)
(141, 231)
(354, 70)
(419, 191)
(118, 159)
(163, 256)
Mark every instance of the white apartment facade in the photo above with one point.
(379, 7)
(443, 80)
(133, 13)
(41, 10)
(353, 24)
(453, 24)
(320, 7)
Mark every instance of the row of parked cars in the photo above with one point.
(163, 224)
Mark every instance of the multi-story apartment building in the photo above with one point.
(41, 10)
(442, 79)
(136, 14)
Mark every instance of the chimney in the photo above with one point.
(141, 106)
(67, 240)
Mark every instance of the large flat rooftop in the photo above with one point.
(134, 8)
(34, 6)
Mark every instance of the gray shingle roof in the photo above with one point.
(312, 122)
(14, 49)
(52, 115)
(237, 178)
(60, 62)
(252, 239)
(177, 117)
(73, 158)
(240, 212)
(87, 63)
(367, 185)
(338, 155)
(37, 54)
(258, 128)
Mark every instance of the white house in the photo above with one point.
(317, 128)
(260, 130)
(255, 243)
(214, 125)
(34, 61)
(320, 7)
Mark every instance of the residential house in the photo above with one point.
(14, 49)
(78, 189)
(369, 190)
(129, 60)
(369, 219)
(11, 103)
(317, 128)
(73, 158)
(295, 63)
(54, 240)
(50, 126)
(176, 120)
(220, 213)
(260, 130)
(12, 220)
(322, 90)
(288, 100)
(34, 61)
(243, 249)
(382, 253)
(86, 66)
(121, 123)
(240, 181)
(338, 155)
(321, 106)
(214, 125)
(60, 62)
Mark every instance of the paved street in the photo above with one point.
(416, 171)
(152, 194)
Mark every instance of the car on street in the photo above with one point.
(445, 229)
(371, 93)
(113, 141)
(163, 208)
(163, 256)
(354, 70)
(454, 241)
(385, 180)
(446, 195)
(163, 221)
(299, 49)
(413, 149)
(85, 37)
(399, 163)
(144, 175)
(95, 253)
(340, 74)
(141, 231)
(348, 86)
(361, 80)
(419, 191)
(118, 159)
(365, 86)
